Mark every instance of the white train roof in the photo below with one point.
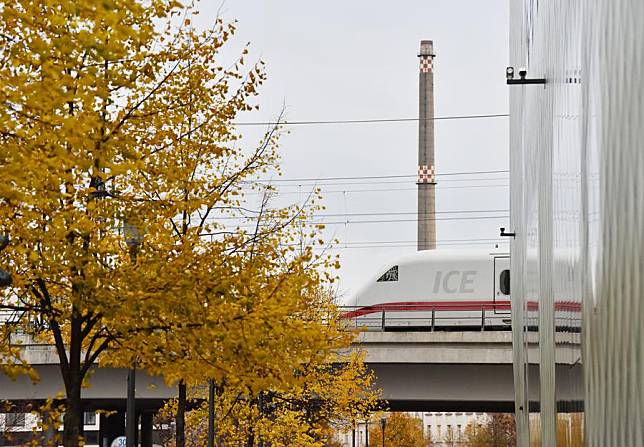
(469, 254)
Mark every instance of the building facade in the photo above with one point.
(444, 429)
(19, 428)
(447, 429)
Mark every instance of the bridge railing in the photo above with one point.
(428, 318)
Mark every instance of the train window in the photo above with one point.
(389, 275)
(504, 282)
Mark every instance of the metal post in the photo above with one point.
(130, 418)
(353, 436)
(147, 422)
(211, 413)
(383, 321)
(383, 424)
(482, 318)
(133, 239)
(366, 433)
(433, 318)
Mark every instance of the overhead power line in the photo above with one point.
(389, 182)
(353, 222)
(231, 228)
(413, 241)
(397, 243)
(441, 244)
(410, 213)
(375, 177)
(369, 121)
(343, 222)
(384, 213)
(345, 191)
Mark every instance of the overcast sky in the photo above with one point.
(356, 59)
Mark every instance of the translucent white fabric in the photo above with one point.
(577, 206)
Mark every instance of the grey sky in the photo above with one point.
(356, 59)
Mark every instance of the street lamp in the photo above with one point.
(133, 240)
(383, 424)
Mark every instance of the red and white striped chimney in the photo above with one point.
(426, 169)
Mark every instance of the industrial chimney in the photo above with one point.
(426, 171)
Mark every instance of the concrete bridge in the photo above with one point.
(419, 371)
(461, 371)
(107, 386)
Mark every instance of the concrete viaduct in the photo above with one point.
(416, 371)
(461, 371)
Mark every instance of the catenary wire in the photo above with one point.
(341, 222)
(402, 243)
(375, 177)
(340, 247)
(413, 241)
(379, 221)
(369, 121)
(384, 182)
(390, 213)
(342, 191)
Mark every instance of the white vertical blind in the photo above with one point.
(577, 199)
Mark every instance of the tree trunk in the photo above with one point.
(73, 378)
(73, 419)
(181, 416)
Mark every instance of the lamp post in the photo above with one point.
(383, 424)
(133, 240)
(366, 432)
(211, 413)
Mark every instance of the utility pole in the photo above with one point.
(426, 169)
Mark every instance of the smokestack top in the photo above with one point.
(426, 48)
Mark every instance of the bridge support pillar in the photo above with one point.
(111, 427)
(146, 428)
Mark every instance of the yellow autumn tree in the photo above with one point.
(120, 162)
(401, 430)
(252, 319)
(300, 413)
(498, 429)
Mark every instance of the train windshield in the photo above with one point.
(389, 275)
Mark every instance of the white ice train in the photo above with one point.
(437, 289)
(443, 289)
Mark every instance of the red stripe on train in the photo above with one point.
(418, 306)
